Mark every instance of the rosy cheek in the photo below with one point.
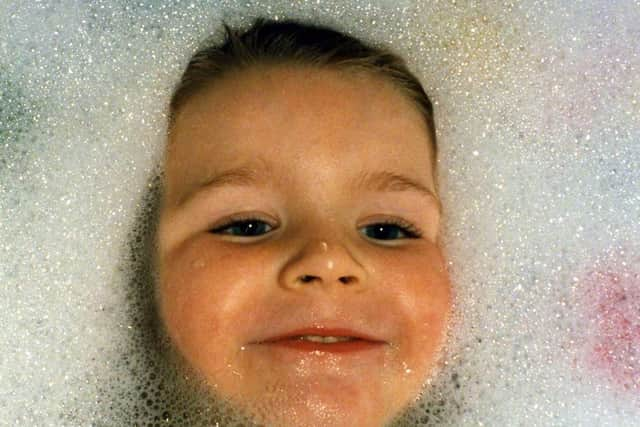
(182, 295)
(207, 290)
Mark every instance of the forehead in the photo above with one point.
(296, 118)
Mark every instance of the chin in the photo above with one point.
(315, 413)
(311, 405)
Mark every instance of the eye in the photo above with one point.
(244, 227)
(391, 230)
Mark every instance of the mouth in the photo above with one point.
(324, 340)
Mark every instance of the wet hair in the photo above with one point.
(269, 42)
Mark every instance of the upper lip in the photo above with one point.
(321, 331)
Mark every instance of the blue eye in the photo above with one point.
(391, 231)
(253, 227)
(250, 227)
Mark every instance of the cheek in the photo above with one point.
(422, 294)
(206, 295)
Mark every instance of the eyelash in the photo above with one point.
(407, 228)
(236, 219)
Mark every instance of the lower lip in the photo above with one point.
(338, 347)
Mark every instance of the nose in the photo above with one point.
(322, 263)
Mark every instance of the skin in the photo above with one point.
(307, 134)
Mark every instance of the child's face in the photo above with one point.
(308, 155)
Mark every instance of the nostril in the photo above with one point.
(344, 279)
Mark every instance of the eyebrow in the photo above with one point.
(241, 176)
(392, 181)
(378, 181)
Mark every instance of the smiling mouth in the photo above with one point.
(324, 339)
(319, 343)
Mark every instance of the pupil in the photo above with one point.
(386, 232)
(252, 228)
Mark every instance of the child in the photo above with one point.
(300, 272)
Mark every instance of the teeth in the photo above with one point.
(326, 340)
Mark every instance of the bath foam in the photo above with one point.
(606, 336)
(538, 121)
(540, 173)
